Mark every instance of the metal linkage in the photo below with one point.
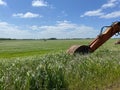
(101, 31)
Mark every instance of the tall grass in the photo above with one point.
(61, 71)
(96, 71)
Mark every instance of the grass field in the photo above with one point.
(44, 65)
(19, 48)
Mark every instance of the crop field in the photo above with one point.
(44, 65)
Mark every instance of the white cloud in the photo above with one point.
(110, 4)
(111, 15)
(93, 13)
(62, 29)
(11, 31)
(65, 29)
(39, 3)
(100, 12)
(27, 15)
(3, 3)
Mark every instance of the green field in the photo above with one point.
(44, 65)
(19, 48)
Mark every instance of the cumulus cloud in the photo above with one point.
(100, 12)
(62, 29)
(39, 3)
(3, 3)
(65, 29)
(11, 31)
(27, 15)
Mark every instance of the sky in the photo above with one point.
(40, 19)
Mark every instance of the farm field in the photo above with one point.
(20, 48)
(44, 65)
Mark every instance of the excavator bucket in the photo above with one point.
(77, 49)
(98, 41)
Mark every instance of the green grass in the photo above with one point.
(57, 70)
(19, 48)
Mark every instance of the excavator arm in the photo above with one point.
(103, 37)
(97, 42)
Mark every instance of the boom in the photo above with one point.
(98, 41)
(103, 37)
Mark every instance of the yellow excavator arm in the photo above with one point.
(98, 41)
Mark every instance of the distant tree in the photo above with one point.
(5, 39)
(52, 39)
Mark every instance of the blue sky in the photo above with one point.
(56, 18)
